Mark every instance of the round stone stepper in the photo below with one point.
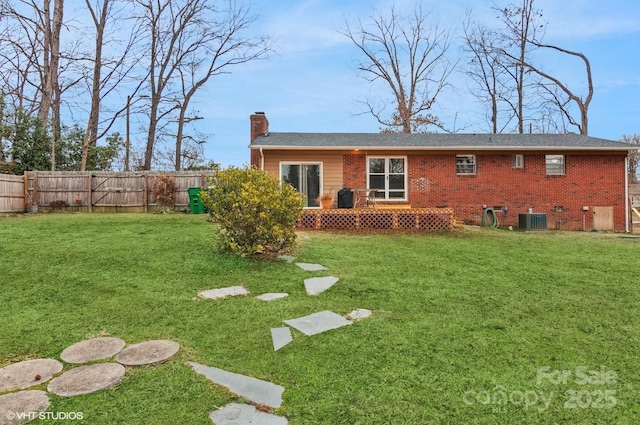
(87, 379)
(149, 352)
(92, 349)
(13, 405)
(28, 373)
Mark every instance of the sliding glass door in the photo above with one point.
(306, 178)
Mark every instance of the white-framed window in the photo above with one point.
(306, 177)
(465, 164)
(517, 161)
(554, 164)
(388, 174)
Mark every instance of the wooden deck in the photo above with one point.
(425, 219)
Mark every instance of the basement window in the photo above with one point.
(465, 164)
(554, 164)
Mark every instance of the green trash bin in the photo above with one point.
(195, 203)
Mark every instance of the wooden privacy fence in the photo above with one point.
(93, 191)
(11, 193)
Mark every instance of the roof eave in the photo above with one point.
(444, 148)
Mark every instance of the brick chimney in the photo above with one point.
(259, 125)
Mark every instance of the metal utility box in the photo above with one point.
(532, 221)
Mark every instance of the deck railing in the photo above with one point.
(427, 219)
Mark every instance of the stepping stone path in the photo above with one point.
(91, 378)
(28, 373)
(236, 413)
(311, 267)
(87, 379)
(281, 337)
(318, 322)
(23, 406)
(317, 285)
(255, 390)
(149, 352)
(92, 349)
(272, 296)
(231, 291)
(359, 314)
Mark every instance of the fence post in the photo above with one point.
(25, 191)
(90, 178)
(34, 194)
(145, 193)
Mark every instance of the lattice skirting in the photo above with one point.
(416, 218)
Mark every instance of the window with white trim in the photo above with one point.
(518, 161)
(554, 164)
(465, 164)
(389, 176)
(306, 177)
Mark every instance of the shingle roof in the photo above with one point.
(435, 141)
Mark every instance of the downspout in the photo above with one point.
(626, 193)
(261, 160)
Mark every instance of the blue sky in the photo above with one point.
(310, 83)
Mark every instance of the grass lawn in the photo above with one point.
(458, 321)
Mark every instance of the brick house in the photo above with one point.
(580, 182)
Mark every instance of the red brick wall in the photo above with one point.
(589, 180)
(354, 170)
(255, 158)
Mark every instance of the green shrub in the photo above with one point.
(255, 212)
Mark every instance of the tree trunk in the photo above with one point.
(525, 21)
(153, 124)
(46, 90)
(50, 96)
(91, 132)
(179, 138)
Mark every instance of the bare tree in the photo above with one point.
(220, 45)
(17, 65)
(503, 70)
(489, 72)
(91, 133)
(51, 92)
(51, 25)
(32, 43)
(189, 42)
(118, 67)
(571, 96)
(522, 25)
(408, 55)
(525, 32)
(164, 21)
